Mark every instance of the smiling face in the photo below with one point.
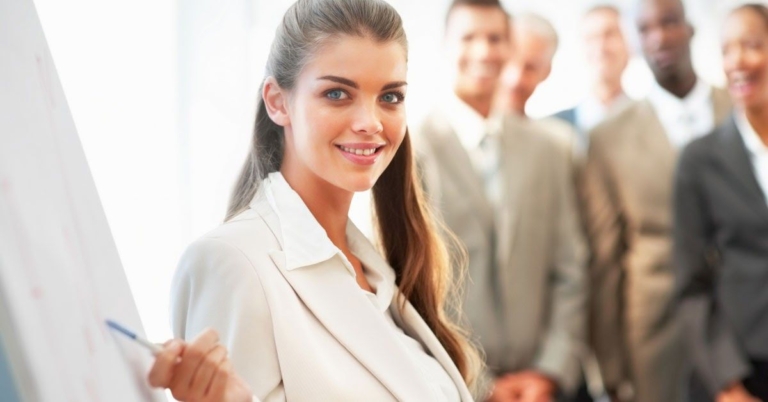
(745, 58)
(476, 38)
(529, 66)
(604, 44)
(344, 119)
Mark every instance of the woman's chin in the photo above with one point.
(360, 184)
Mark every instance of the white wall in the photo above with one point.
(117, 64)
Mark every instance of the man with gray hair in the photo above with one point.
(535, 42)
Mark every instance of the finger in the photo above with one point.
(221, 379)
(191, 358)
(163, 369)
(202, 378)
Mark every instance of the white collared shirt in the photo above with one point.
(591, 112)
(306, 243)
(684, 119)
(480, 138)
(757, 150)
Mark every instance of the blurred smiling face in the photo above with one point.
(476, 38)
(529, 66)
(745, 58)
(345, 116)
(604, 43)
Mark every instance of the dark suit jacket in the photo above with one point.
(721, 255)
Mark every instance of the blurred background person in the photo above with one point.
(721, 227)
(534, 44)
(504, 189)
(627, 189)
(534, 41)
(607, 55)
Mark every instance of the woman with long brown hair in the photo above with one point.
(307, 308)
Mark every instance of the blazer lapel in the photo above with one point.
(655, 141)
(335, 299)
(514, 166)
(735, 157)
(414, 326)
(458, 165)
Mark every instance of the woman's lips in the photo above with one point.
(361, 154)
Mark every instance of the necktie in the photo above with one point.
(489, 164)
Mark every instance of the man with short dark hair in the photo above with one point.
(505, 190)
(627, 189)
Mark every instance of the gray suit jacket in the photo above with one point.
(721, 255)
(526, 294)
(627, 199)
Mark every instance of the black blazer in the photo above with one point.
(721, 256)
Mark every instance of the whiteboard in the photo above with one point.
(60, 274)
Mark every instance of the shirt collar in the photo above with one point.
(752, 141)
(663, 100)
(469, 125)
(306, 243)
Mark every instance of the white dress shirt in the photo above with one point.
(307, 243)
(758, 151)
(591, 112)
(480, 137)
(684, 119)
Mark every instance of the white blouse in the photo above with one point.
(295, 214)
(758, 151)
(298, 326)
(442, 386)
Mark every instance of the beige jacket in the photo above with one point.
(525, 297)
(297, 325)
(627, 198)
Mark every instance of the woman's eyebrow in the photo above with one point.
(393, 85)
(350, 83)
(340, 80)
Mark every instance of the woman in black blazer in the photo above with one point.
(721, 227)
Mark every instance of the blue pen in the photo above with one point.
(155, 348)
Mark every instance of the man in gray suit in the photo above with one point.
(505, 190)
(627, 190)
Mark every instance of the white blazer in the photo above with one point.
(297, 324)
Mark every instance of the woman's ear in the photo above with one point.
(276, 102)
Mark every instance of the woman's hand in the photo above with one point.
(199, 371)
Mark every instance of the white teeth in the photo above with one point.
(361, 152)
